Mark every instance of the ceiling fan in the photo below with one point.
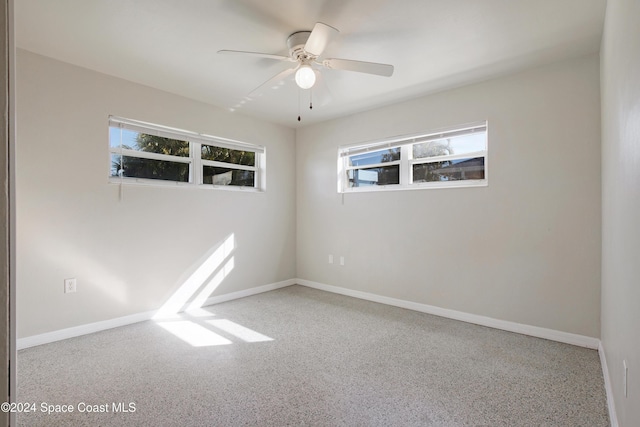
(305, 50)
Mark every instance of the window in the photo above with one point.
(147, 153)
(453, 158)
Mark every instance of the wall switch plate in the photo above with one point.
(69, 286)
(330, 259)
(341, 260)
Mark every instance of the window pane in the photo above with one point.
(451, 170)
(227, 155)
(134, 167)
(458, 145)
(116, 165)
(148, 143)
(375, 157)
(384, 175)
(225, 176)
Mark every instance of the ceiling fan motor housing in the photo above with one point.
(305, 47)
(296, 42)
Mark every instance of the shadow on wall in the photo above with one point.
(182, 314)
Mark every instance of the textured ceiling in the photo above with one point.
(437, 44)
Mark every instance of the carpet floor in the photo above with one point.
(298, 356)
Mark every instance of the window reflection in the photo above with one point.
(227, 176)
(366, 177)
(375, 157)
(450, 170)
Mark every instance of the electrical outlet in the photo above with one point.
(69, 286)
(624, 378)
(330, 259)
(341, 260)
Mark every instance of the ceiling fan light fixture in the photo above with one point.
(305, 77)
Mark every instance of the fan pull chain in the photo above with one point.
(300, 101)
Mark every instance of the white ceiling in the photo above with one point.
(433, 44)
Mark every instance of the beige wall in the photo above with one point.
(524, 249)
(620, 85)
(130, 255)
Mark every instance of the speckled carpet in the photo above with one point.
(299, 356)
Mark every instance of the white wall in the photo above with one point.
(130, 255)
(524, 249)
(620, 85)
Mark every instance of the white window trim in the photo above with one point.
(407, 161)
(152, 156)
(194, 160)
(374, 165)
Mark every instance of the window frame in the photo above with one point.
(194, 159)
(406, 162)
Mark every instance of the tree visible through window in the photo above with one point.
(138, 167)
(221, 175)
(180, 156)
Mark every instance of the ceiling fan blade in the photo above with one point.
(319, 38)
(257, 55)
(385, 70)
(273, 80)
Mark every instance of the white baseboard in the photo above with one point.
(613, 418)
(76, 331)
(535, 331)
(248, 292)
(90, 328)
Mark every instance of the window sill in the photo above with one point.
(420, 186)
(174, 184)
